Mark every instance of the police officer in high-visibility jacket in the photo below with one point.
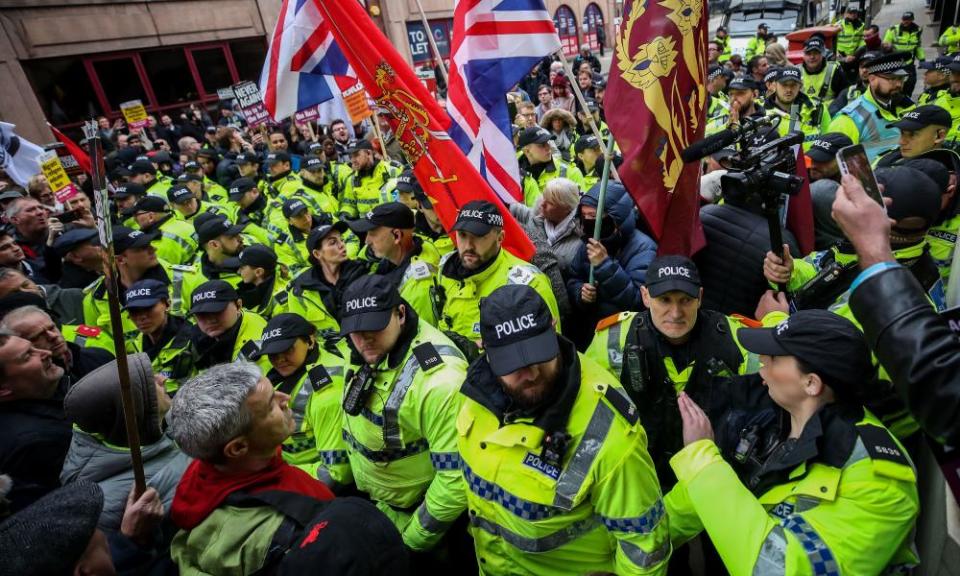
(950, 100)
(812, 116)
(220, 244)
(822, 79)
(428, 225)
(555, 460)
(187, 206)
(225, 332)
(143, 172)
(757, 44)
(405, 259)
(298, 370)
(867, 119)
(371, 183)
(906, 37)
(478, 267)
(538, 165)
(950, 40)
(401, 404)
(175, 240)
(850, 35)
(936, 79)
(283, 182)
(672, 347)
(717, 101)
(262, 288)
(165, 338)
(801, 478)
(137, 260)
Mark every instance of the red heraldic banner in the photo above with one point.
(418, 122)
(656, 106)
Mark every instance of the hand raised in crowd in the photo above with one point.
(864, 222)
(54, 229)
(142, 516)
(771, 301)
(588, 293)
(696, 425)
(777, 269)
(596, 252)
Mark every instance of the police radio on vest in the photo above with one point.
(516, 325)
(361, 303)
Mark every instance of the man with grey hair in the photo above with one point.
(34, 324)
(232, 421)
(30, 221)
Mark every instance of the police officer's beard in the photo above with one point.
(532, 394)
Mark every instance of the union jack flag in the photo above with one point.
(495, 44)
(301, 62)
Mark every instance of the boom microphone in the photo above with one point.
(709, 145)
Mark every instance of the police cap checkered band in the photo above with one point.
(895, 63)
(714, 72)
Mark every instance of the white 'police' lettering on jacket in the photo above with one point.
(515, 325)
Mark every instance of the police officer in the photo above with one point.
(292, 249)
(406, 188)
(405, 259)
(922, 129)
(723, 40)
(478, 267)
(261, 289)
(126, 196)
(823, 156)
(82, 257)
(671, 347)
(337, 169)
(589, 153)
(313, 379)
(323, 189)
(401, 406)
(175, 240)
(558, 477)
(742, 98)
(187, 206)
(210, 189)
(137, 260)
(950, 100)
(142, 172)
(936, 79)
(822, 79)
(865, 120)
(538, 165)
(850, 35)
(855, 90)
(812, 116)
(906, 37)
(225, 332)
(757, 45)
(283, 182)
(717, 102)
(316, 293)
(428, 225)
(165, 338)
(220, 243)
(255, 208)
(800, 478)
(950, 40)
(248, 165)
(371, 184)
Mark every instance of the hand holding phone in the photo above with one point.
(853, 160)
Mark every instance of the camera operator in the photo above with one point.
(908, 337)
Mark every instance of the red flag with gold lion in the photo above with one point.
(656, 106)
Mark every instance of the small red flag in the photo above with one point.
(656, 106)
(76, 151)
(418, 122)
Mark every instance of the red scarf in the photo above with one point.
(203, 488)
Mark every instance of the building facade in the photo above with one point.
(64, 61)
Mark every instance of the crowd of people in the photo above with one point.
(325, 378)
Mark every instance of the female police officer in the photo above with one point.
(806, 481)
(313, 379)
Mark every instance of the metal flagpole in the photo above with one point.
(105, 231)
(433, 42)
(583, 103)
(604, 179)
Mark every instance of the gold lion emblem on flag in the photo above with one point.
(652, 68)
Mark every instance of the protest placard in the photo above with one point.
(135, 114)
(56, 176)
(251, 103)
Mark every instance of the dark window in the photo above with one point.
(248, 57)
(212, 67)
(170, 76)
(63, 89)
(120, 81)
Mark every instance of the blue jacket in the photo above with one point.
(620, 276)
